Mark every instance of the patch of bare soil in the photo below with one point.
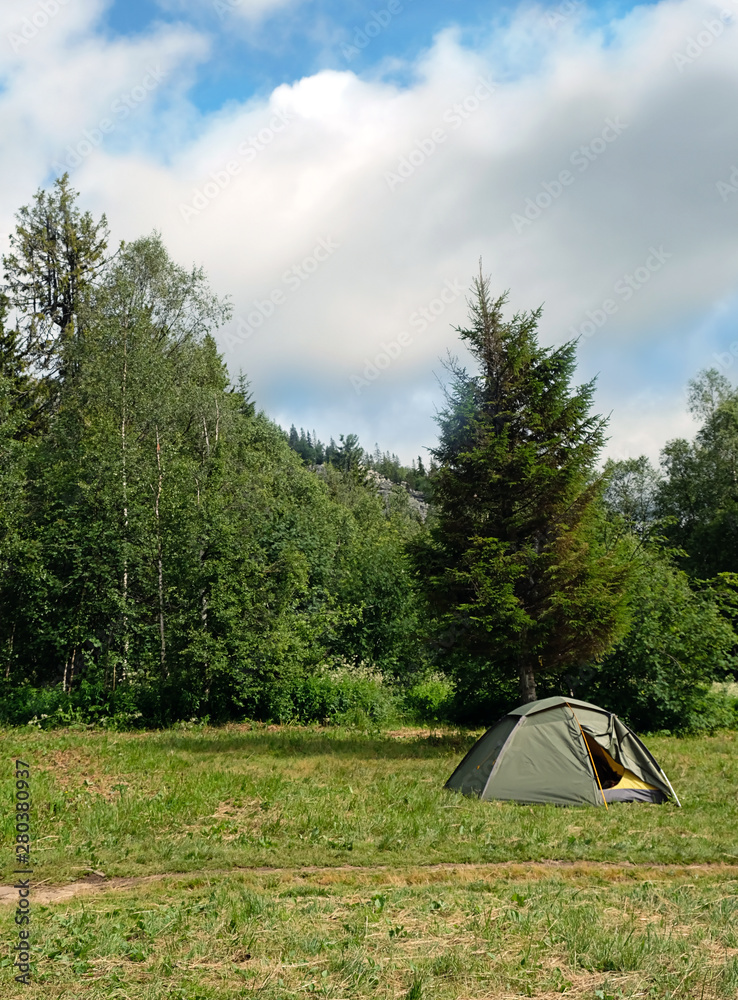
(233, 820)
(74, 769)
(84, 886)
(407, 733)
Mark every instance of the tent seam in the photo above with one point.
(589, 754)
(501, 754)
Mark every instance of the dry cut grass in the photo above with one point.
(579, 932)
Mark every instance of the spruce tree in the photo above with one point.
(514, 571)
(57, 255)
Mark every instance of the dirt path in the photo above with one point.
(97, 883)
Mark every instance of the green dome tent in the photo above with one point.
(563, 752)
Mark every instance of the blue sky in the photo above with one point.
(297, 40)
(338, 169)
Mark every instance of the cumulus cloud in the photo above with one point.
(580, 161)
(68, 90)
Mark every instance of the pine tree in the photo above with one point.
(57, 255)
(348, 453)
(514, 571)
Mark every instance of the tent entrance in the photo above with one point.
(618, 781)
(608, 770)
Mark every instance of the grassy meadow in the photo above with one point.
(276, 862)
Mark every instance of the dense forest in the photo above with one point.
(169, 553)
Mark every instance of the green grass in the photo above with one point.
(172, 801)
(370, 811)
(412, 934)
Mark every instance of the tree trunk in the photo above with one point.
(10, 653)
(160, 563)
(527, 682)
(71, 667)
(124, 415)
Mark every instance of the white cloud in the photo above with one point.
(646, 424)
(324, 159)
(63, 82)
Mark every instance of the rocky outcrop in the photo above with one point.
(384, 487)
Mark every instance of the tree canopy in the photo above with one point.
(161, 544)
(168, 552)
(698, 499)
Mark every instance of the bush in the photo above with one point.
(51, 707)
(343, 695)
(721, 706)
(430, 699)
(658, 677)
(481, 694)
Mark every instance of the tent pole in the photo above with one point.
(590, 754)
(676, 799)
(658, 767)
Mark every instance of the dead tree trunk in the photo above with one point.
(71, 669)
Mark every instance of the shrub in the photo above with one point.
(721, 707)
(347, 695)
(87, 704)
(659, 676)
(430, 699)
